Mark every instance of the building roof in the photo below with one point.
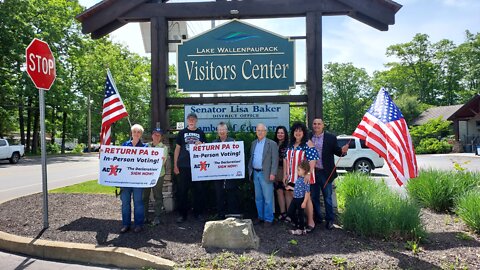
(468, 110)
(109, 15)
(443, 111)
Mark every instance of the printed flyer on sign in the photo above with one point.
(216, 161)
(124, 166)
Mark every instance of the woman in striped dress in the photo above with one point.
(300, 149)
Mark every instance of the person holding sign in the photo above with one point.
(127, 192)
(157, 135)
(181, 167)
(262, 167)
(226, 190)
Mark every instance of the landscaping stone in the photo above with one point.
(230, 233)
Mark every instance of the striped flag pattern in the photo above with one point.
(113, 109)
(294, 157)
(385, 131)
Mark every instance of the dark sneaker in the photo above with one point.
(329, 225)
(156, 221)
(267, 224)
(199, 218)
(138, 229)
(124, 229)
(257, 221)
(181, 219)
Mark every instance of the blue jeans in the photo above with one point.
(321, 178)
(138, 207)
(263, 196)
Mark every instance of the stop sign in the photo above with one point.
(40, 64)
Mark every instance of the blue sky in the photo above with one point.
(347, 40)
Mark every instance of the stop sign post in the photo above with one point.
(41, 69)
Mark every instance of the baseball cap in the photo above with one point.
(192, 114)
(158, 130)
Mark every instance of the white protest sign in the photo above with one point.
(216, 161)
(125, 166)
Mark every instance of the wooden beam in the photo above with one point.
(236, 99)
(314, 66)
(159, 70)
(107, 29)
(374, 10)
(105, 15)
(246, 9)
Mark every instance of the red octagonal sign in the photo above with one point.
(40, 64)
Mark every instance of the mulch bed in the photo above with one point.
(96, 219)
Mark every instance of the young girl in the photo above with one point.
(301, 195)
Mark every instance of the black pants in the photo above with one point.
(184, 184)
(227, 197)
(296, 213)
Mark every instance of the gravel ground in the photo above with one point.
(96, 219)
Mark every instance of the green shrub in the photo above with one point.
(371, 209)
(433, 189)
(433, 146)
(434, 128)
(465, 181)
(354, 185)
(78, 148)
(468, 208)
(53, 148)
(438, 190)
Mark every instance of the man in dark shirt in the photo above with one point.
(182, 168)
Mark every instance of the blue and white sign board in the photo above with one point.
(240, 117)
(236, 57)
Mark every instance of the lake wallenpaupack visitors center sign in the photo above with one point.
(236, 57)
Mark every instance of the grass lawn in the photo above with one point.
(88, 187)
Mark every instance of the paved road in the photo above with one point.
(25, 177)
(17, 262)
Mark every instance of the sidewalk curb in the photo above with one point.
(82, 253)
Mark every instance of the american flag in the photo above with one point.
(385, 131)
(113, 109)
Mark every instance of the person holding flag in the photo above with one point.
(114, 110)
(385, 131)
(326, 145)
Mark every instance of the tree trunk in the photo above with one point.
(36, 127)
(53, 131)
(21, 120)
(64, 130)
(29, 124)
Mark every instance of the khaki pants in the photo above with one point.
(157, 195)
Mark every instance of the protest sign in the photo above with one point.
(124, 166)
(216, 161)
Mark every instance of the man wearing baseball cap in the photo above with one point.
(157, 135)
(182, 168)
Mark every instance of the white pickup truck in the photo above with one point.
(11, 152)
